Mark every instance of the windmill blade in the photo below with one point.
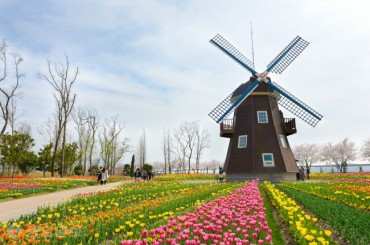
(283, 60)
(296, 106)
(233, 53)
(230, 102)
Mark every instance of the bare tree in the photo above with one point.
(164, 150)
(202, 141)
(339, 153)
(111, 146)
(48, 129)
(8, 86)
(185, 139)
(365, 150)
(180, 146)
(213, 165)
(86, 126)
(93, 127)
(62, 80)
(190, 129)
(167, 150)
(13, 115)
(24, 128)
(142, 150)
(307, 154)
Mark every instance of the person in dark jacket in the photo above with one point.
(221, 174)
(308, 173)
(137, 174)
(99, 175)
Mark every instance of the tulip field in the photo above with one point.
(195, 209)
(23, 186)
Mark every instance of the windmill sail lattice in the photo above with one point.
(296, 106)
(233, 53)
(230, 102)
(288, 55)
(219, 110)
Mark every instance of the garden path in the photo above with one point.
(15, 208)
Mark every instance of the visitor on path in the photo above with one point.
(145, 175)
(99, 175)
(298, 175)
(137, 174)
(150, 175)
(221, 174)
(301, 173)
(104, 176)
(308, 173)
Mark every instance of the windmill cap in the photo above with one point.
(242, 87)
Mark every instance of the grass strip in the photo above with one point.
(353, 224)
(277, 238)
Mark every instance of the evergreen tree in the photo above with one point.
(132, 166)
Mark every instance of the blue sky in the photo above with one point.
(151, 61)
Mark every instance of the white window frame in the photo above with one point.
(283, 141)
(258, 116)
(246, 141)
(268, 163)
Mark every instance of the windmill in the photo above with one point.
(258, 131)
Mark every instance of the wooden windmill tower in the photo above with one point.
(259, 146)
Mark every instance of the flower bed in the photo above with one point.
(353, 194)
(302, 226)
(174, 177)
(110, 216)
(352, 225)
(237, 218)
(341, 176)
(22, 186)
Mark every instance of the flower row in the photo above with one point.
(238, 218)
(113, 215)
(302, 226)
(365, 176)
(355, 195)
(25, 186)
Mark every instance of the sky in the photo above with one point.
(150, 61)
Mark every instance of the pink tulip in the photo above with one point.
(268, 239)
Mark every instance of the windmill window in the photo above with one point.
(268, 160)
(282, 140)
(262, 117)
(242, 141)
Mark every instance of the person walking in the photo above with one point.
(308, 173)
(145, 175)
(301, 173)
(104, 176)
(137, 174)
(221, 175)
(150, 175)
(99, 175)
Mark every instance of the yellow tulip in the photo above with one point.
(309, 237)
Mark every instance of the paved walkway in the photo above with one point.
(15, 208)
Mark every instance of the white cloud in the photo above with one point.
(150, 61)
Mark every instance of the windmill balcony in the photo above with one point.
(289, 126)
(227, 128)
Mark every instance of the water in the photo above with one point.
(332, 168)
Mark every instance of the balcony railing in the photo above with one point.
(289, 126)
(227, 128)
